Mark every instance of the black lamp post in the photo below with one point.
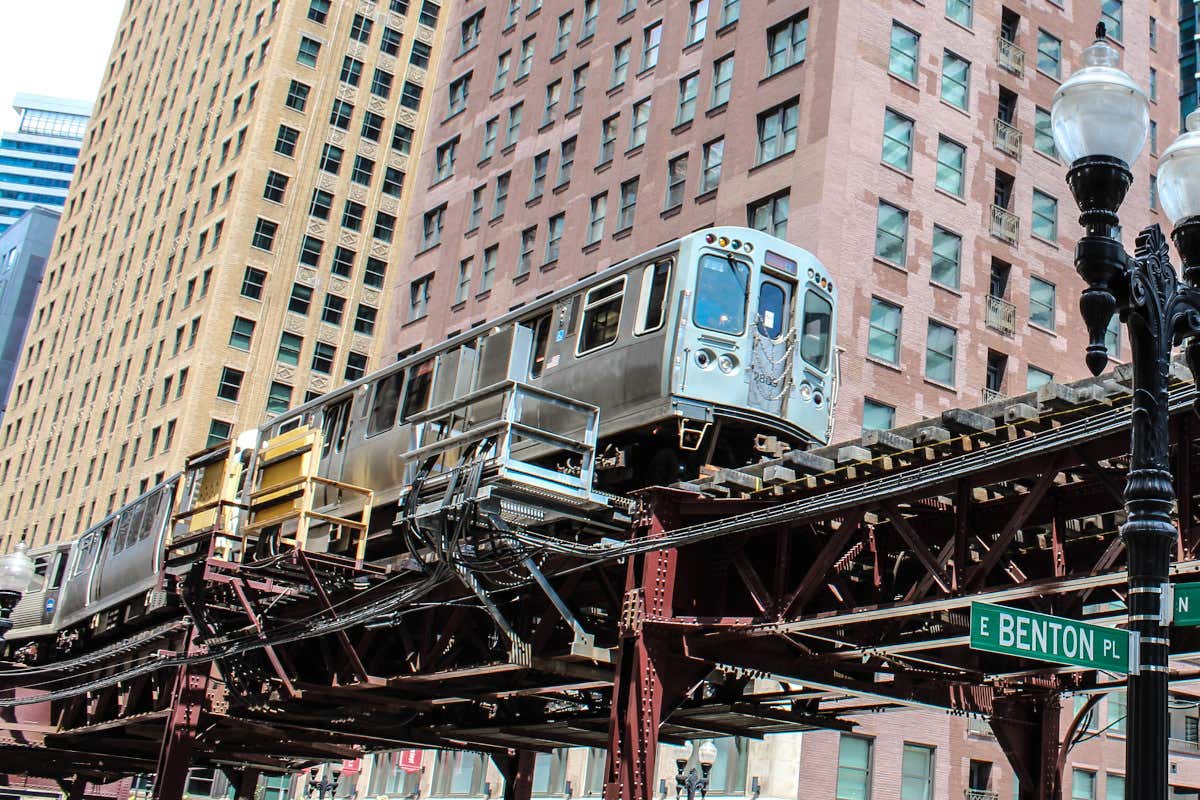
(693, 782)
(1100, 120)
(16, 571)
(321, 785)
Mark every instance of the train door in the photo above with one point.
(772, 342)
(335, 433)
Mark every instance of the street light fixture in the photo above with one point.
(320, 784)
(693, 782)
(1100, 119)
(16, 571)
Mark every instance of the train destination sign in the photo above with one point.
(1016, 632)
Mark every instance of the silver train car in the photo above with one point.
(109, 575)
(691, 351)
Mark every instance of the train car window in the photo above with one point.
(156, 513)
(601, 316)
(416, 396)
(385, 403)
(572, 316)
(289, 424)
(41, 565)
(772, 310)
(722, 289)
(60, 569)
(815, 331)
(333, 427)
(83, 554)
(123, 527)
(652, 305)
(541, 342)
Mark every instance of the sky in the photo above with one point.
(54, 47)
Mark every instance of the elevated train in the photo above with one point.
(692, 352)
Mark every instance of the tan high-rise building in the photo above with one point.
(223, 252)
(905, 144)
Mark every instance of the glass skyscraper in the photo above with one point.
(37, 160)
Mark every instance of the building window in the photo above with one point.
(393, 182)
(410, 96)
(897, 140)
(641, 121)
(714, 155)
(528, 240)
(457, 94)
(608, 138)
(883, 336)
(1041, 303)
(385, 226)
(947, 257)
(331, 159)
(431, 227)
(1043, 138)
(514, 125)
(553, 96)
(591, 13)
(503, 63)
(956, 80)
(418, 297)
(769, 215)
(231, 384)
(1153, 137)
(500, 202)
(891, 233)
(487, 276)
(554, 232)
(597, 210)
(1049, 55)
(444, 160)
(360, 28)
(279, 397)
(566, 162)
(374, 273)
(402, 137)
(697, 21)
(689, 88)
(620, 68)
(951, 164)
(676, 181)
(722, 80)
(854, 768)
(458, 773)
(629, 190)
(940, 344)
(372, 126)
(491, 130)
(905, 48)
(916, 772)
(476, 212)
(961, 11)
(340, 115)
(389, 43)
(1036, 378)
(318, 11)
(578, 86)
(308, 51)
(322, 360)
(297, 96)
(651, 41)
(537, 182)
(526, 62)
(285, 141)
(777, 131)
(1112, 14)
(300, 299)
(252, 283)
(356, 367)
(321, 204)
(562, 38)
(310, 251)
(218, 431)
(331, 312)
(1153, 84)
(429, 14)
(787, 43)
(469, 33)
(878, 416)
(343, 262)
(242, 333)
(1045, 216)
(364, 320)
(1114, 786)
(1083, 782)
(381, 84)
(462, 289)
(264, 234)
(1117, 709)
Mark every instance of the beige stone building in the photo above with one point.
(225, 245)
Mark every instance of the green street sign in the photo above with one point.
(1015, 632)
(1187, 604)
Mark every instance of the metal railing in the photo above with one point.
(976, 725)
(1005, 225)
(991, 396)
(1001, 315)
(1185, 745)
(981, 794)
(1007, 139)
(1010, 57)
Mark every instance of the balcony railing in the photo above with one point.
(981, 794)
(1006, 226)
(991, 396)
(1185, 745)
(1001, 315)
(1007, 139)
(976, 725)
(1010, 57)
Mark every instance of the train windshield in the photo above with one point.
(814, 334)
(721, 294)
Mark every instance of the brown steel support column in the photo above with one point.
(179, 736)
(518, 774)
(652, 674)
(1028, 729)
(244, 781)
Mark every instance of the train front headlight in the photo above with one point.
(806, 391)
(727, 362)
(705, 358)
